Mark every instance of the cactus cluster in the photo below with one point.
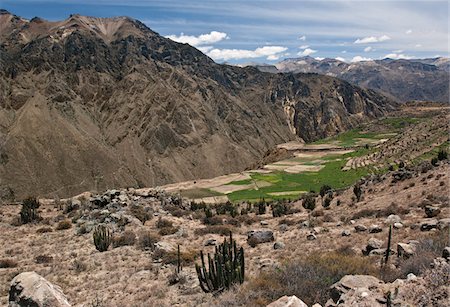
(29, 211)
(102, 238)
(226, 267)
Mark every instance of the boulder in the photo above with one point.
(443, 223)
(398, 225)
(360, 228)
(346, 233)
(428, 225)
(371, 245)
(278, 245)
(288, 301)
(405, 250)
(31, 289)
(392, 219)
(353, 282)
(375, 229)
(164, 247)
(311, 237)
(264, 223)
(260, 236)
(446, 253)
(432, 211)
(211, 242)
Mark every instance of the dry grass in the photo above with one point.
(66, 224)
(223, 230)
(127, 238)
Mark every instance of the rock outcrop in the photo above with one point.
(288, 301)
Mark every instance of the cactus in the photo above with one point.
(102, 238)
(29, 210)
(226, 267)
(388, 249)
(179, 267)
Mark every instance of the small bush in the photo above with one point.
(29, 211)
(434, 161)
(66, 224)
(186, 257)
(198, 206)
(442, 155)
(248, 219)
(279, 209)
(147, 240)
(261, 207)
(140, 213)
(79, 266)
(223, 230)
(126, 239)
(43, 259)
(327, 201)
(213, 220)
(163, 223)
(44, 230)
(309, 201)
(325, 189)
(7, 263)
(357, 190)
(166, 231)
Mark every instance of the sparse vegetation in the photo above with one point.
(127, 238)
(147, 240)
(65, 224)
(7, 263)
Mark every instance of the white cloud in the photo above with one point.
(318, 58)
(398, 56)
(372, 39)
(273, 57)
(340, 59)
(203, 39)
(304, 46)
(345, 51)
(302, 38)
(409, 31)
(234, 54)
(368, 49)
(418, 45)
(307, 52)
(359, 58)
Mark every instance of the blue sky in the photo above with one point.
(269, 31)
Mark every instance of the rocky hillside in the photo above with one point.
(92, 103)
(417, 79)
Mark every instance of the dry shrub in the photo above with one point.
(44, 230)
(140, 213)
(317, 213)
(165, 231)
(43, 259)
(176, 211)
(327, 218)
(7, 263)
(248, 219)
(127, 238)
(147, 240)
(214, 220)
(163, 223)
(66, 224)
(187, 257)
(289, 222)
(393, 208)
(79, 266)
(223, 230)
(364, 213)
(309, 279)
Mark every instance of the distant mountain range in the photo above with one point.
(96, 103)
(404, 80)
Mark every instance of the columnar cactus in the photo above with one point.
(29, 211)
(388, 249)
(226, 267)
(102, 238)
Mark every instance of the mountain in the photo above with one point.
(95, 103)
(404, 80)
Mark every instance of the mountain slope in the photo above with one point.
(95, 103)
(405, 80)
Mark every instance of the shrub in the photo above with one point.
(442, 155)
(43, 259)
(7, 263)
(223, 230)
(29, 211)
(79, 266)
(213, 220)
(208, 212)
(102, 238)
(140, 213)
(163, 223)
(309, 201)
(261, 207)
(165, 231)
(279, 209)
(198, 206)
(66, 224)
(186, 257)
(44, 230)
(147, 240)
(357, 190)
(324, 190)
(248, 219)
(327, 202)
(127, 238)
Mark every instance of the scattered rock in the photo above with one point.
(411, 277)
(446, 253)
(346, 233)
(443, 223)
(392, 219)
(405, 250)
(264, 223)
(432, 211)
(353, 282)
(278, 245)
(360, 228)
(311, 237)
(164, 247)
(371, 245)
(260, 236)
(428, 225)
(288, 301)
(211, 242)
(284, 227)
(398, 225)
(375, 229)
(31, 289)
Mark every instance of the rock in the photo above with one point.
(304, 224)
(393, 218)
(288, 301)
(268, 263)
(428, 225)
(405, 250)
(311, 237)
(211, 242)
(164, 247)
(446, 253)
(377, 252)
(346, 233)
(432, 211)
(375, 229)
(317, 230)
(371, 245)
(360, 228)
(316, 305)
(353, 282)
(31, 289)
(443, 223)
(411, 277)
(352, 222)
(284, 227)
(260, 236)
(398, 225)
(264, 223)
(278, 245)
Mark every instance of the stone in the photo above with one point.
(211, 242)
(288, 301)
(353, 282)
(278, 245)
(316, 305)
(375, 229)
(260, 236)
(164, 247)
(411, 277)
(346, 233)
(264, 223)
(360, 228)
(304, 224)
(398, 225)
(428, 225)
(378, 252)
(311, 237)
(443, 223)
(392, 219)
(405, 250)
(432, 211)
(317, 230)
(371, 245)
(446, 253)
(31, 289)
(284, 227)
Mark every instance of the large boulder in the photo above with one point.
(405, 250)
(352, 283)
(31, 289)
(288, 301)
(372, 244)
(260, 236)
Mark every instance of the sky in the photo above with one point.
(269, 31)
